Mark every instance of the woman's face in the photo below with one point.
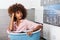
(19, 15)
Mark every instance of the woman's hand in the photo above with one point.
(30, 33)
(12, 16)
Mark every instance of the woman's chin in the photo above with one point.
(20, 19)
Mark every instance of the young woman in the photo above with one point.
(18, 22)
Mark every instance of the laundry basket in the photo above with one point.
(23, 36)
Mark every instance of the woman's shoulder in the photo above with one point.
(26, 20)
(29, 21)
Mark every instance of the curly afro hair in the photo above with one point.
(17, 7)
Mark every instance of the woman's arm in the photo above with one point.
(35, 29)
(10, 28)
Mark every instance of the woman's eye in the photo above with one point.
(17, 12)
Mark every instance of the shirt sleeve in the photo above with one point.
(32, 25)
(8, 31)
(14, 26)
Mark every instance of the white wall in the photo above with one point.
(51, 32)
(54, 33)
(46, 31)
(39, 15)
(4, 4)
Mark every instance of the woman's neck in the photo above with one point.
(18, 22)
